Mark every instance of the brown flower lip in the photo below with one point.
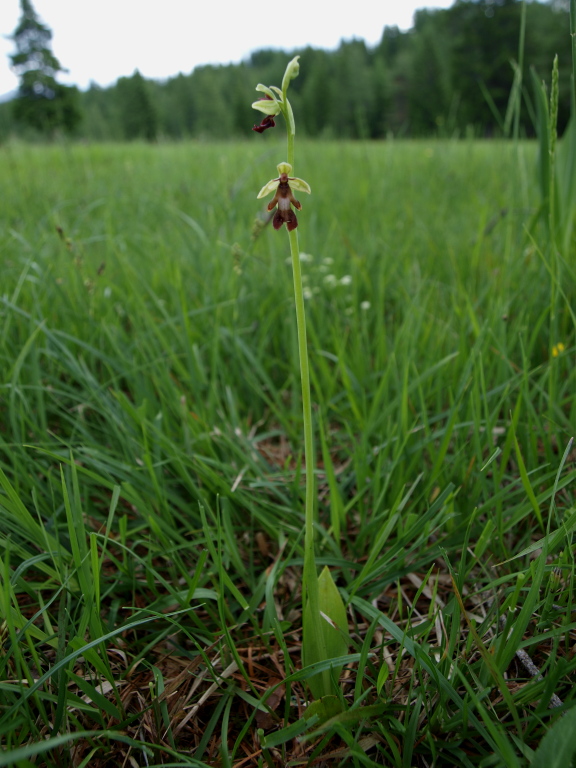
(267, 122)
(283, 199)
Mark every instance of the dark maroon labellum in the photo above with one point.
(288, 217)
(267, 122)
(284, 199)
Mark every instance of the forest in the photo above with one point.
(451, 75)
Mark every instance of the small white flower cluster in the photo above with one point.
(329, 279)
(304, 257)
(332, 281)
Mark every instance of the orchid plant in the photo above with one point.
(324, 623)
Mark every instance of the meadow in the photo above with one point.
(151, 460)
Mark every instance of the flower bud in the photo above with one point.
(292, 71)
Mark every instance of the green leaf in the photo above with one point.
(17, 756)
(382, 677)
(287, 734)
(328, 632)
(543, 137)
(323, 709)
(551, 540)
(347, 717)
(526, 481)
(558, 747)
(96, 696)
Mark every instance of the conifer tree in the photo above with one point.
(138, 115)
(42, 102)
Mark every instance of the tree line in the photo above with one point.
(451, 74)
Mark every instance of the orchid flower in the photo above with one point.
(268, 119)
(283, 197)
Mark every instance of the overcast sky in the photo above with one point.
(102, 40)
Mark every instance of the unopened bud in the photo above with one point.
(292, 71)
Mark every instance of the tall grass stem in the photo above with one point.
(553, 218)
(573, 38)
(518, 94)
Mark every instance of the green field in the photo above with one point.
(151, 492)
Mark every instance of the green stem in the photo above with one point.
(290, 140)
(310, 574)
(310, 586)
(290, 158)
(310, 590)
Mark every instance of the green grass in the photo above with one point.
(151, 492)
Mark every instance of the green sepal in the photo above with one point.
(295, 183)
(300, 185)
(268, 188)
(268, 91)
(267, 106)
(271, 105)
(328, 631)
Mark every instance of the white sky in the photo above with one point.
(102, 40)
